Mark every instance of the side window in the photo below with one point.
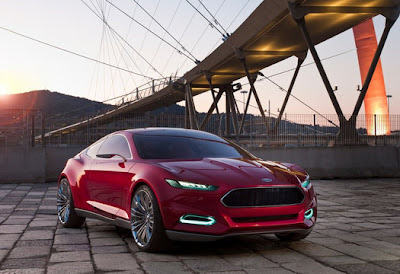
(92, 150)
(116, 144)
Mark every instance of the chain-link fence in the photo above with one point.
(27, 128)
(310, 130)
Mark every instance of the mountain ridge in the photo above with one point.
(53, 103)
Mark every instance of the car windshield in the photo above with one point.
(178, 147)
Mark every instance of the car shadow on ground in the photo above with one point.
(230, 245)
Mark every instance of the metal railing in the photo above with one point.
(24, 128)
(146, 90)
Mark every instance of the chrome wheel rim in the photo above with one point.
(142, 217)
(63, 201)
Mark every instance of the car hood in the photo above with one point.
(238, 172)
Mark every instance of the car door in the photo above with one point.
(110, 178)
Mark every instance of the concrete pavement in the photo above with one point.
(358, 231)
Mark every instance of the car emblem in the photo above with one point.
(266, 180)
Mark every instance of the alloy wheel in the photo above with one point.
(142, 217)
(63, 201)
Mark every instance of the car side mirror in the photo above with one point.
(110, 155)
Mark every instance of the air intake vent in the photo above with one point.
(258, 197)
(264, 218)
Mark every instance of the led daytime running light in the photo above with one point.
(189, 185)
(197, 220)
(306, 182)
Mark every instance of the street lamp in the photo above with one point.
(388, 97)
(244, 94)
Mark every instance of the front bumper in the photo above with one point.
(231, 221)
(197, 237)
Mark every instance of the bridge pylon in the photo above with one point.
(348, 131)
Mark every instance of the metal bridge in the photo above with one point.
(276, 30)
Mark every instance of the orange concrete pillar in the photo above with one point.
(375, 101)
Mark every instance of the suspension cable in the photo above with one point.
(126, 42)
(169, 25)
(215, 19)
(155, 34)
(230, 24)
(152, 17)
(148, 26)
(180, 38)
(204, 31)
(211, 23)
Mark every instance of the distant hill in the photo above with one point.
(59, 105)
(51, 103)
(171, 110)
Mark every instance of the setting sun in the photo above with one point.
(3, 90)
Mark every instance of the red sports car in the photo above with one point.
(184, 185)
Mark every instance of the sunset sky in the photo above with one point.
(26, 65)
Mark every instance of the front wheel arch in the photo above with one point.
(135, 187)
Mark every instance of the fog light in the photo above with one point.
(197, 220)
(309, 213)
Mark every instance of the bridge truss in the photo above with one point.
(275, 31)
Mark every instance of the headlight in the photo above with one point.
(188, 185)
(306, 182)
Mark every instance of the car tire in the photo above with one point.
(292, 236)
(65, 206)
(146, 221)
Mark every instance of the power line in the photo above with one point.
(155, 34)
(305, 65)
(71, 52)
(211, 23)
(215, 19)
(152, 17)
(308, 64)
(119, 36)
(284, 90)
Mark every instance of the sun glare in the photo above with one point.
(3, 90)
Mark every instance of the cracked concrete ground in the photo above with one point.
(357, 231)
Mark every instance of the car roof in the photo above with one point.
(180, 132)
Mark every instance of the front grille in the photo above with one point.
(269, 196)
(264, 218)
